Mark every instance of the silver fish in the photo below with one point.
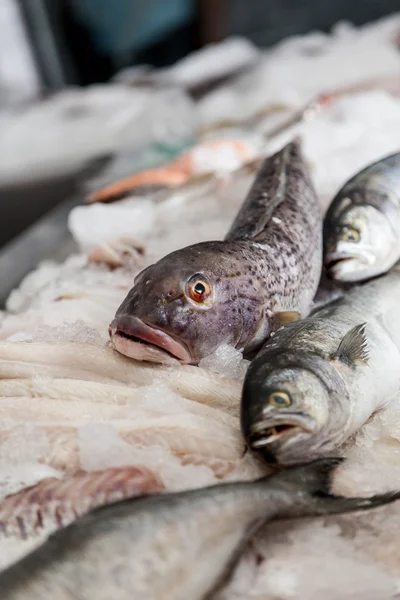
(172, 546)
(362, 225)
(317, 381)
(235, 291)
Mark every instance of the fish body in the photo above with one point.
(362, 224)
(234, 291)
(317, 381)
(170, 546)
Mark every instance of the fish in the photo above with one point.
(172, 546)
(236, 291)
(317, 381)
(178, 171)
(362, 224)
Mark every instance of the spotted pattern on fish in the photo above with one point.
(269, 262)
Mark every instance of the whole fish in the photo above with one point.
(235, 291)
(317, 381)
(173, 546)
(362, 225)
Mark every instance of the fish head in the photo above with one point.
(360, 245)
(184, 307)
(285, 409)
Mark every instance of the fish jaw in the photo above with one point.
(349, 266)
(263, 435)
(133, 338)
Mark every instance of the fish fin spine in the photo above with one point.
(353, 348)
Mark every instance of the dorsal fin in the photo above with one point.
(353, 349)
(266, 194)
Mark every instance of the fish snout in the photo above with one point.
(134, 338)
(269, 430)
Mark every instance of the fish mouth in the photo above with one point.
(337, 267)
(333, 262)
(132, 337)
(270, 430)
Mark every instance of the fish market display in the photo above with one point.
(319, 380)
(205, 158)
(236, 291)
(362, 225)
(172, 547)
(55, 503)
(73, 409)
(92, 123)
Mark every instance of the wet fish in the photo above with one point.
(172, 546)
(317, 381)
(235, 291)
(362, 225)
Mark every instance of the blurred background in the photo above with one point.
(48, 143)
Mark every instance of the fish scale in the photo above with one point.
(263, 274)
(362, 224)
(331, 371)
(171, 546)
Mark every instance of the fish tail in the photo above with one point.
(331, 504)
(314, 480)
(314, 477)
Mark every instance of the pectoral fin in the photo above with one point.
(353, 349)
(284, 318)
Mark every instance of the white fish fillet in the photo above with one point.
(55, 503)
(77, 400)
(88, 362)
(192, 438)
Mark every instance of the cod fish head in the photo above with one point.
(185, 306)
(284, 413)
(359, 244)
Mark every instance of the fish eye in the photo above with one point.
(349, 234)
(279, 399)
(198, 289)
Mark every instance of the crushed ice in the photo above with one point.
(226, 361)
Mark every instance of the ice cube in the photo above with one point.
(227, 361)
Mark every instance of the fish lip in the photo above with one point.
(334, 262)
(270, 429)
(335, 259)
(136, 339)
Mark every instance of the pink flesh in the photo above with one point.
(58, 502)
(155, 345)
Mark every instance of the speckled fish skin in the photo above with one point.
(269, 263)
(317, 381)
(362, 224)
(172, 546)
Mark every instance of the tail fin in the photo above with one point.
(315, 480)
(314, 477)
